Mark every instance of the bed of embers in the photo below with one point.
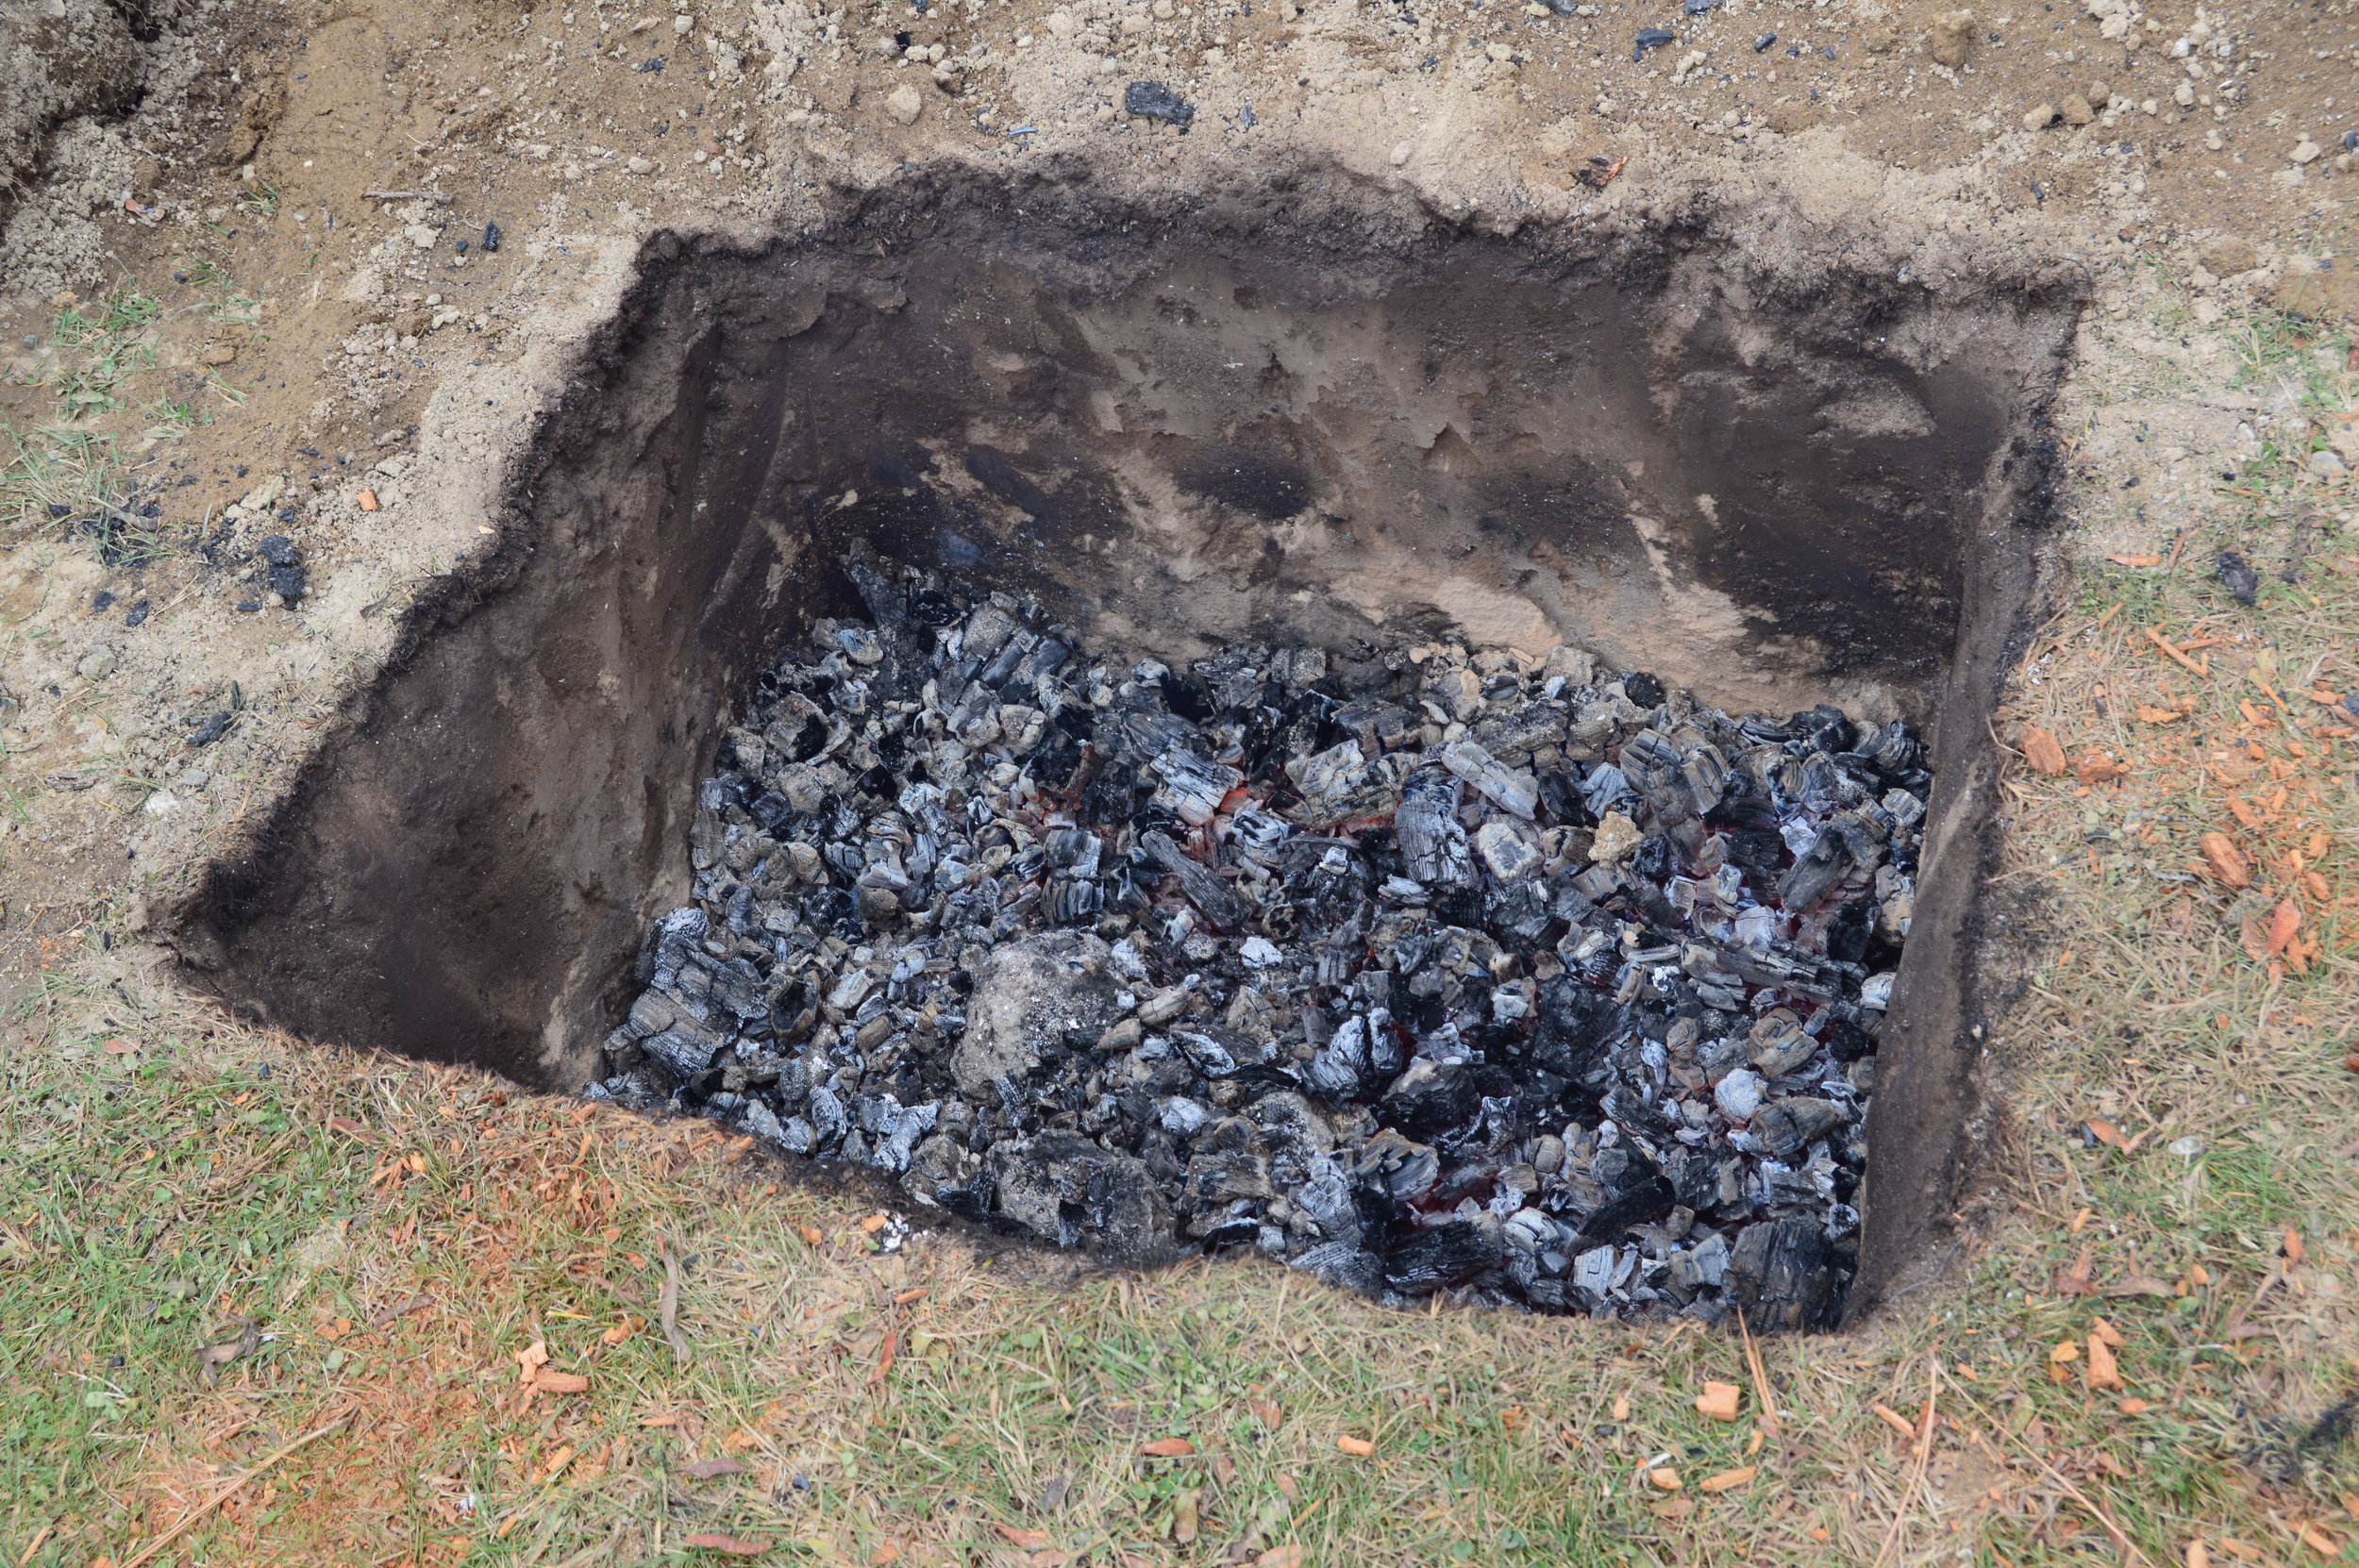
(1420, 968)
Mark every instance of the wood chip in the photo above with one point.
(1168, 1448)
(1031, 1541)
(1664, 1478)
(2223, 860)
(2042, 752)
(559, 1382)
(1728, 1480)
(2103, 1372)
(713, 1541)
(1361, 1446)
(2106, 1133)
(2163, 643)
(1895, 1420)
(1288, 1556)
(2094, 767)
(368, 500)
(1719, 1401)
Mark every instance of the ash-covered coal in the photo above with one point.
(1423, 969)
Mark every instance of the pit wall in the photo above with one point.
(1290, 419)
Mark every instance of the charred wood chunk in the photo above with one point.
(1212, 896)
(1440, 1255)
(1781, 1274)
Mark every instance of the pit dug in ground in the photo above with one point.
(1376, 461)
(1417, 969)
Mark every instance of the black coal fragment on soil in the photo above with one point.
(1157, 102)
(209, 729)
(286, 568)
(1651, 37)
(2237, 576)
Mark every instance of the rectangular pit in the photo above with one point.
(1290, 423)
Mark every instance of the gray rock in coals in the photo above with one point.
(1030, 996)
(1069, 1192)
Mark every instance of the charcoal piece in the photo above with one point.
(1429, 1099)
(1379, 725)
(1071, 900)
(1110, 796)
(1786, 1127)
(1157, 102)
(1845, 1039)
(1643, 689)
(1522, 730)
(1399, 1167)
(684, 1046)
(1212, 896)
(1191, 788)
(671, 942)
(1432, 841)
(1509, 856)
(1214, 1179)
(1815, 872)
(1779, 1047)
(1071, 1193)
(1781, 1275)
(1345, 1264)
(285, 566)
(1342, 1065)
(1654, 765)
(1895, 751)
(1509, 789)
(1628, 1110)
(1641, 1201)
(1340, 784)
(2237, 576)
(1032, 994)
(209, 729)
(1440, 1255)
(1848, 932)
(1517, 912)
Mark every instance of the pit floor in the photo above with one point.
(2171, 1131)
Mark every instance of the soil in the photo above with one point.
(290, 187)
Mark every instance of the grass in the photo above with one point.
(214, 1242)
(57, 475)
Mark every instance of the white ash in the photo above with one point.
(1424, 971)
